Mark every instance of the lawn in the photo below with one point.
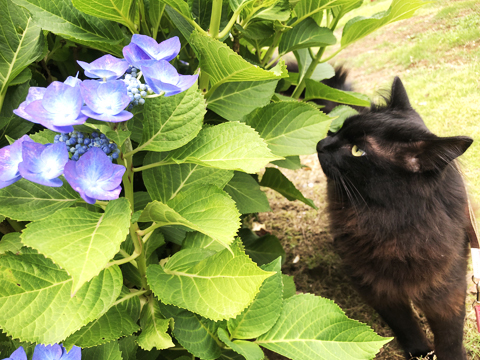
(436, 54)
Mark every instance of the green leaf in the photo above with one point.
(185, 26)
(43, 137)
(28, 201)
(361, 26)
(230, 146)
(165, 182)
(290, 162)
(21, 78)
(234, 100)
(290, 128)
(10, 242)
(195, 333)
(340, 113)
(128, 346)
(115, 10)
(263, 313)
(245, 191)
(262, 250)
(224, 65)
(108, 351)
(310, 327)
(217, 287)
(313, 8)
(279, 11)
(180, 6)
(21, 43)
(197, 240)
(289, 288)
(249, 350)
(36, 303)
(274, 179)
(171, 122)
(154, 328)
(62, 18)
(318, 90)
(80, 241)
(10, 124)
(305, 35)
(202, 208)
(154, 11)
(119, 320)
(321, 72)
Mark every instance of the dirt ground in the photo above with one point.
(304, 232)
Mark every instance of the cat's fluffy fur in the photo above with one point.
(398, 217)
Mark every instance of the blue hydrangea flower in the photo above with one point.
(162, 76)
(56, 352)
(107, 67)
(57, 107)
(43, 164)
(144, 50)
(105, 100)
(10, 157)
(18, 354)
(94, 176)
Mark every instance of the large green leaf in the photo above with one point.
(62, 18)
(304, 35)
(195, 333)
(340, 113)
(248, 349)
(290, 128)
(361, 26)
(206, 209)
(11, 124)
(290, 162)
(262, 250)
(224, 65)
(28, 201)
(182, 22)
(165, 182)
(234, 100)
(318, 90)
(171, 122)
(245, 191)
(154, 328)
(311, 327)
(80, 241)
(36, 303)
(180, 6)
(322, 71)
(217, 287)
(274, 179)
(21, 42)
(197, 240)
(10, 242)
(108, 351)
(115, 10)
(263, 313)
(120, 320)
(230, 146)
(313, 8)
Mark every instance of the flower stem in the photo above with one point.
(215, 18)
(301, 86)
(124, 260)
(272, 47)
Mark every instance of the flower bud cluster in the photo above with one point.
(135, 89)
(79, 143)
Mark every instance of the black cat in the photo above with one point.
(397, 208)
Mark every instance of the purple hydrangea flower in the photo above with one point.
(43, 164)
(107, 67)
(18, 354)
(162, 76)
(105, 100)
(56, 352)
(57, 107)
(144, 50)
(10, 157)
(94, 176)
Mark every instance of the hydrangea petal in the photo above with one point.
(167, 50)
(54, 122)
(72, 81)
(74, 354)
(54, 159)
(113, 95)
(185, 82)
(47, 352)
(18, 354)
(108, 67)
(10, 157)
(60, 98)
(121, 116)
(136, 56)
(34, 93)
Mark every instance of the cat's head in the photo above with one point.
(387, 140)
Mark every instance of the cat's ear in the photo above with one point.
(435, 154)
(399, 98)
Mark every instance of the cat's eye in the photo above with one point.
(357, 152)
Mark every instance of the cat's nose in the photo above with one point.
(323, 144)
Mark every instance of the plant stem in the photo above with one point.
(272, 47)
(232, 21)
(301, 86)
(129, 296)
(147, 230)
(156, 26)
(215, 18)
(124, 260)
(149, 166)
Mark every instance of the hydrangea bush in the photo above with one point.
(132, 138)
